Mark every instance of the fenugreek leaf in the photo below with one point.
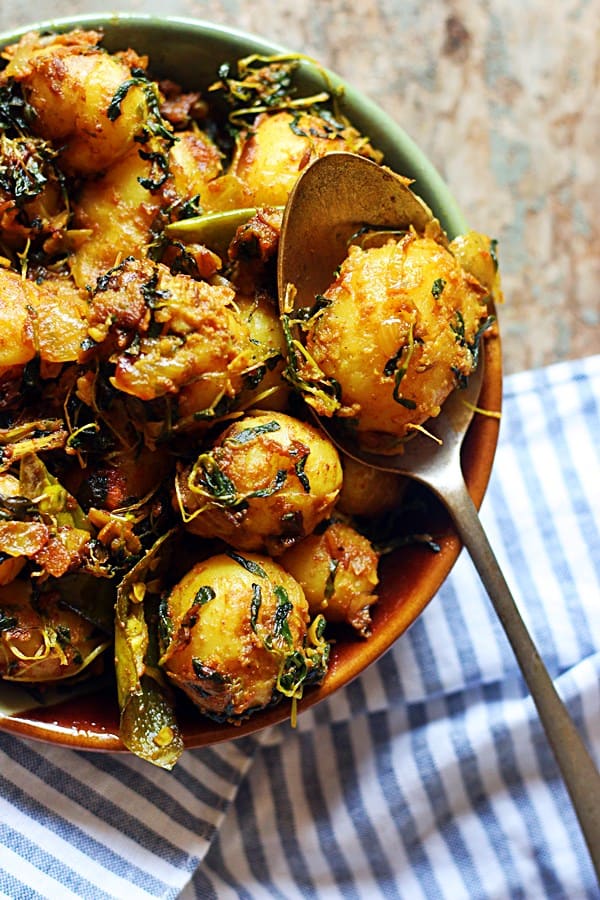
(255, 604)
(248, 564)
(281, 626)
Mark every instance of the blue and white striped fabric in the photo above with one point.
(428, 777)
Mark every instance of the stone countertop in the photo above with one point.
(504, 98)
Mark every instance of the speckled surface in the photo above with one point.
(504, 98)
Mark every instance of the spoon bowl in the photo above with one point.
(335, 198)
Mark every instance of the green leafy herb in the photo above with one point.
(204, 595)
(299, 466)
(216, 482)
(397, 366)
(155, 128)
(248, 434)
(281, 627)
(255, 605)
(276, 485)
(16, 115)
(437, 287)
(7, 622)
(304, 376)
(206, 673)
(248, 564)
(494, 252)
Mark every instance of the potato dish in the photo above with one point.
(170, 515)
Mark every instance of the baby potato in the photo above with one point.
(48, 319)
(266, 483)
(476, 253)
(194, 161)
(398, 331)
(41, 641)
(269, 159)
(228, 629)
(337, 569)
(72, 85)
(116, 211)
(367, 491)
(61, 320)
(17, 320)
(119, 209)
(168, 331)
(268, 344)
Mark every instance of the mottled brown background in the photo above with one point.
(504, 97)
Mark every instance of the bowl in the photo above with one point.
(190, 52)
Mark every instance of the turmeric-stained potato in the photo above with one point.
(476, 253)
(18, 299)
(369, 492)
(84, 99)
(166, 332)
(113, 214)
(267, 483)
(40, 640)
(272, 155)
(264, 381)
(48, 319)
(398, 331)
(234, 635)
(194, 161)
(61, 320)
(337, 570)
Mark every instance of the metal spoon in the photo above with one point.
(334, 198)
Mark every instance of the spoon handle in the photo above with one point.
(575, 763)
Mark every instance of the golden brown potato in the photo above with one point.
(477, 255)
(270, 157)
(18, 298)
(268, 482)
(232, 630)
(41, 640)
(398, 331)
(194, 161)
(167, 332)
(48, 319)
(115, 214)
(337, 569)
(268, 344)
(61, 320)
(85, 100)
(369, 492)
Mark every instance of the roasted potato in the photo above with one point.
(398, 330)
(234, 635)
(368, 492)
(85, 100)
(41, 641)
(266, 483)
(183, 331)
(337, 569)
(272, 153)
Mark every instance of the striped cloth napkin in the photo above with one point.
(428, 777)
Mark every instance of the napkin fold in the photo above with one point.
(427, 777)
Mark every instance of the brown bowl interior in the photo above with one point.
(410, 576)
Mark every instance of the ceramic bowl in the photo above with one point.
(190, 53)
